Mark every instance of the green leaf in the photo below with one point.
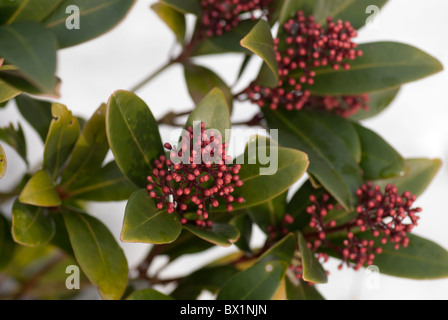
(332, 162)
(7, 91)
(16, 139)
(281, 251)
(312, 269)
(6, 243)
(420, 174)
(223, 235)
(379, 159)
(384, 65)
(108, 184)
(148, 294)
(62, 135)
(259, 40)
(36, 112)
(243, 224)
(98, 254)
(88, 153)
(269, 213)
(345, 10)
(228, 42)
(35, 10)
(213, 111)
(300, 290)
(133, 135)
(40, 191)
(260, 282)
(286, 168)
(185, 6)
(96, 17)
(174, 19)
(200, 81)
(31, 226)
(31, 48)
(288, 9)
(144, 223)
(3, 162)
(379, 101)
(209, 278)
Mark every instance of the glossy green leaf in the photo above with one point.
(133, 135)
(36, 112)
(31, 48)
(269, 213)
(144, 223)
(384, 65)
(6, 243)
(148, 294)
(185, 6)
(275, 177)
(7, 91)
(31, 226)
(332, 162)
(420, 174)
(35, 10)
(288, 9)
(379, 159)
(209, 278)
(174, 19)
(108, 184)
(95, 17)
(40, 191)
(61, 238)
(213, 111)
(346, 10)
(312, 269)
(259, 40)
(200, 81)
(281, 251)
(223, 235)
(88, 153)
(62, 135)
(243, 223)
(379, 101)
(99, 255)
(3, 162)
(16, 139)
(300, 290)
(260, 282)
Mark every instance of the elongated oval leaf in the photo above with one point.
(185, 6)
(259, 282)
(312, 269)
(300, 290)
(419, 176)
(243, 223)
(7, 91)
(260, 41)
(40, 191)
(148, 294)
(220, 234)
(31, 48)
(3, 162)
(31, 226)
(174, 19)
(133, 135)
(281, 251)
(95, 18)
(36, 112)
(378, 101)
(288, 9)
(269, 213)
(7, 245)
(144, 223)
(384, 65)
(35, 10)
(98, 254)
(331, 161)
(62, 135)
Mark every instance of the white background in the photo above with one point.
(415, 124)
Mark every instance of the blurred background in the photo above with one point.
(416, 123)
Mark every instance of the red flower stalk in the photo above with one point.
(307, 45)
(387, 214)
(221, 16)
(195, 177)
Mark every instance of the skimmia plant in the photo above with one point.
(314, 88)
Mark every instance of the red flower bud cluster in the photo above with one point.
(221, 16)
(343, 106)
(195, 177)
(307, 45)
(281, 230)
(386, 215)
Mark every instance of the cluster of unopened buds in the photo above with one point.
(343, 106)
(277, 231)
(196, 176)
(388, 216)
(308, 45)
(220, 16)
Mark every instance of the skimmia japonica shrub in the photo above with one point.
(320, 186)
